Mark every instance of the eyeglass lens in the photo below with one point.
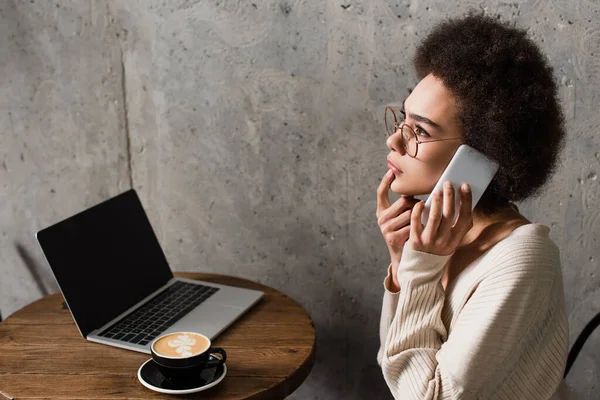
(408, 137)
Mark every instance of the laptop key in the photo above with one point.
(174, 319)
(137, 338)
(118, 336)
(127, 338)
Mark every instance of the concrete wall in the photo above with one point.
(253, 133)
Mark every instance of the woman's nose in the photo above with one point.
(394, 142)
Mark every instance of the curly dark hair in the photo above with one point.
(507, 98)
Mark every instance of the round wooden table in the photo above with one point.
(270, 352)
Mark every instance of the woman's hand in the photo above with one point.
(393, 220)
(440, 237)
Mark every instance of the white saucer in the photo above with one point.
(149, 375)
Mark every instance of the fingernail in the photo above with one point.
(465, 188)
(448, 184)
(389, 172)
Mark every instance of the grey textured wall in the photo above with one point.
(253, 134)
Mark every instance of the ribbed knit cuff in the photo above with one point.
(388, 281)
(419, 268)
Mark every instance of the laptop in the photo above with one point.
(118, 285)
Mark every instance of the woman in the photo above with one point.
(473, 310)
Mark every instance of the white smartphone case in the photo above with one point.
(467, 166)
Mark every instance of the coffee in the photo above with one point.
(181, 345)
(182, 356)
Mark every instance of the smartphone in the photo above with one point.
(467, 166)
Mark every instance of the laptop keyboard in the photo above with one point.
(157, 315)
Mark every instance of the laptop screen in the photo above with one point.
(105, 259)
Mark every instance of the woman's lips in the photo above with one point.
(394, 169)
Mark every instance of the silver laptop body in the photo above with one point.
(110, 267)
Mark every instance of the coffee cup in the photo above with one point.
(183, 355)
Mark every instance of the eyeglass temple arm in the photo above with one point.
(437, 140)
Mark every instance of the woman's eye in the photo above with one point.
(420, 132)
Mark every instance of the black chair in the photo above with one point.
(578, 345)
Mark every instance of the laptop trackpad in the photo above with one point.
(207, 320)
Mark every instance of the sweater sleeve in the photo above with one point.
(419, 361)
(390, 302)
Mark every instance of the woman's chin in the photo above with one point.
(399, 188)
(406, 190)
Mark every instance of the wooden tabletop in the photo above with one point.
(270, 352)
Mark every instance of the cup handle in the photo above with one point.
(220, 361)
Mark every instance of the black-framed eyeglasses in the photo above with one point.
(410, 140)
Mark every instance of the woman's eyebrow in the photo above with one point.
(420, 118)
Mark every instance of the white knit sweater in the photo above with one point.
(499, 331)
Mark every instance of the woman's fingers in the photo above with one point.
(395, 209)
(435, 216)
(397, 238)
(416, 227)
(383, 196)
(397, 222)
(447, 208)
(398, 207)
(439, 237)
(465, 217)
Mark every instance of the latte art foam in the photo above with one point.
(181, 345)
